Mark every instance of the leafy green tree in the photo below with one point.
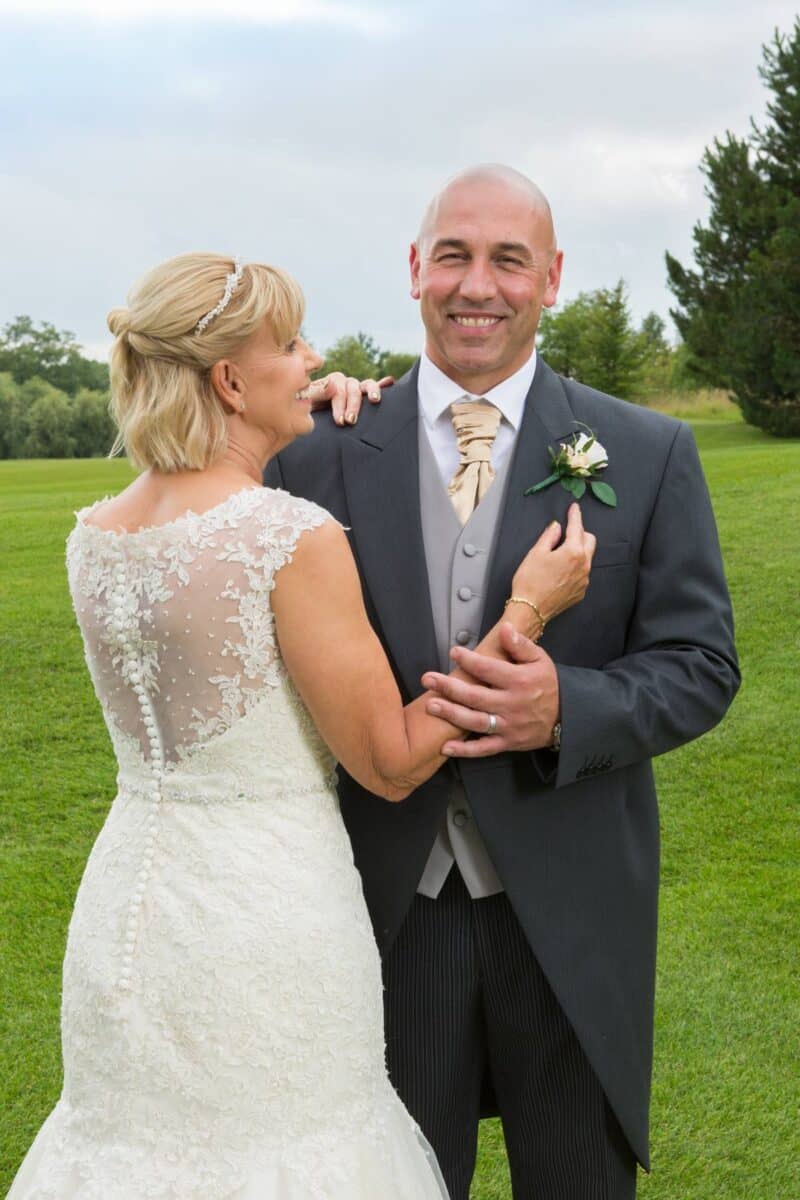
(11, 429)
(29, 350)
(39, 421)
(362, 358)
(562, 334)
(396, 365)
(739, 307)
(92, 426)
(658, 359)
(46, 421)
(654, 332)
(356, 356)
(593, 339)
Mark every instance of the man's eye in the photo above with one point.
(514, 262)
(445, 257)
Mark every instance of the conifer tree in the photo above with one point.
(739, 307)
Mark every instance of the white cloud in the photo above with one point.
(308, 151)
(363, 19)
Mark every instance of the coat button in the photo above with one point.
(462, 637)
(460, 818)
(469, 549)
(465, 593)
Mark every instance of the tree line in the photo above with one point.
(54, 402)
(738, 309)
(592, 338)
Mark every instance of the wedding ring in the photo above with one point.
(492, 726)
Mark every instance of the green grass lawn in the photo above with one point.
(725, 1103)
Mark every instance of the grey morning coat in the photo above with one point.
(645, 663)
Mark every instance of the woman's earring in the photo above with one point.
(241, 406)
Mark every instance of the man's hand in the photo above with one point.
(344, 395)
(521, 694)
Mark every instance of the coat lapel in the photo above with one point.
(547, 419)
(381, 479)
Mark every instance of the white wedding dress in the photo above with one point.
(222, 1012)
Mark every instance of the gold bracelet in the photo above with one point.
(530, 604)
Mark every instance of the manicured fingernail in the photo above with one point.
(351, 418)
(434, 709)
(514, 636)
(447, 751)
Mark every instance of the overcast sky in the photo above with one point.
(311, 133)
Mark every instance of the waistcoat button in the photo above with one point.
(465, 593)
(460, 818)
(462, 637)
(469, 549)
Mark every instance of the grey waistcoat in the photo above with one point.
(458, 563)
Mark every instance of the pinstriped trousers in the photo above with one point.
(464, 995)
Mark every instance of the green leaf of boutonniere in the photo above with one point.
(604, 492)
(574, 484)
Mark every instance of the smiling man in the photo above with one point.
(483, 266)
(514, 895)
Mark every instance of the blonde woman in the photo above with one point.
(222, 1003)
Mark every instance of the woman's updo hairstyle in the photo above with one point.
(168, 415)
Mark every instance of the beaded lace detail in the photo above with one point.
(222, 1014)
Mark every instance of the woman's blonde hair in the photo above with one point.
(168, 415)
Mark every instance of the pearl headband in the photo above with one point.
(231, 284)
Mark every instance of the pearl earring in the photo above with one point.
(241, 406)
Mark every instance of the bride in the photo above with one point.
(222, 1013)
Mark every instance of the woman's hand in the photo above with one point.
(344, 394)
(556, 577)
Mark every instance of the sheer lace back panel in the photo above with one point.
(179, 632)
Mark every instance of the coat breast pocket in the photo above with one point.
(612, 554)
(593, 632)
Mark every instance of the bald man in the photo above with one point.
(514, 895)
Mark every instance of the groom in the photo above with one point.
(514, 895)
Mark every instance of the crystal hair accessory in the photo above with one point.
(231, 284)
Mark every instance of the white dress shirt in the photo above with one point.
(437, 392)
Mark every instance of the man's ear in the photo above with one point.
(553, 279)
(228, 384)
(414, 265)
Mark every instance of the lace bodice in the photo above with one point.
(180, 615)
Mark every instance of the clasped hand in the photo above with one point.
(519, 686)
(521, 693)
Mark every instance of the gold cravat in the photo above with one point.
(475, 423)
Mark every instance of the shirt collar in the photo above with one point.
(438, 391)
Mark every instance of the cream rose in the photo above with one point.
(580, 459)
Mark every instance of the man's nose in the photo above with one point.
(478, 283)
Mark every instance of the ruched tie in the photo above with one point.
(475, 423)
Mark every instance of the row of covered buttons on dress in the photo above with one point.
(120, 624)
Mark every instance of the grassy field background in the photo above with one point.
(725, 1104)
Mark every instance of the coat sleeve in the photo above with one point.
(679, 673)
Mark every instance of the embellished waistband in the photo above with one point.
(215, 789)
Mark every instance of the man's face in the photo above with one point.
(482, 271)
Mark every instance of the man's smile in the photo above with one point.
(489, 321)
